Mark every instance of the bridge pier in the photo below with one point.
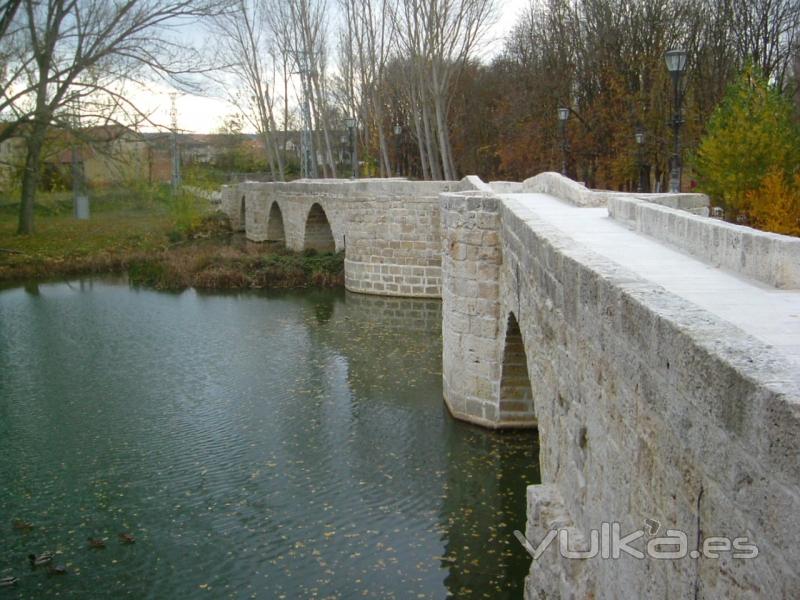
(484, 370)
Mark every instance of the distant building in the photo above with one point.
(12, 155)
(116, 155)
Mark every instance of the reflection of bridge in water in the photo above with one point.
(390, 351)
(655, 349)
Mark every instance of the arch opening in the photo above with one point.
(516, 392)
(318, 234)
(243, 215)
(275, 230)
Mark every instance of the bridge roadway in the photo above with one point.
(768, 314)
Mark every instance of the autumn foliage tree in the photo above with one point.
(775, 205)
(749, 156)
(605, 61)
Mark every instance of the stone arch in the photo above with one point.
(275, 230)
(318, 234)
(516, 392)
(243, 214)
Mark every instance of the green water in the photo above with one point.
(259, 445)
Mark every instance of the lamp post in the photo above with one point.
(345, 142)
(563, 115)
(397, 131)
(350, 123)
(676, 65)
(639, 135)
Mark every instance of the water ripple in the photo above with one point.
(257, 445)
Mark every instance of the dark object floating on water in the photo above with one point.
(8, 581)
(126, 538)
(42, 559)
(21, 525)
(98, 543)
(57, 569)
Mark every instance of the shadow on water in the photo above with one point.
(257, 443)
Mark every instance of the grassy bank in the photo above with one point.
(207, 264)
(158, 241)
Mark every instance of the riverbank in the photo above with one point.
(156, 245)
(216, 263)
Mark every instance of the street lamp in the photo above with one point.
(350, 123)
(397, 131)
(676, 65)
(345, 142)
(563, 115)
(639, 135)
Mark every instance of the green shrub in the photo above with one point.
(147, 272)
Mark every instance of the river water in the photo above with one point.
(264, 445)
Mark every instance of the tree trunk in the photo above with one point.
(281, 169)
(313, 131)
(423, 160)
(268, 150)
(30, 178)
(322, 120)
(441, 122)
(436, 172)
(285, 104)
(271, 139)
(383, 149)
(441, 131)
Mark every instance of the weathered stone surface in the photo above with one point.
(768, 257)
(388, 228)
(647, 406)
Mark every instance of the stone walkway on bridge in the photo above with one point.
(768, 314)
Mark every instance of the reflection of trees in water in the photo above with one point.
(487, 473)
(392, 352)
(406, 451)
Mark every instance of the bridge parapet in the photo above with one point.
(768, 257)
(647, 406)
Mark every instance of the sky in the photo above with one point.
(202, 114)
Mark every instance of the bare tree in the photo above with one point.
(7, 13)
(300, 28)
(439, 36)
(68, 51)
(366, 44)
(763, 31)
(244, 49)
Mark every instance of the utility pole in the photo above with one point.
(308, 163)
(176, 157)
(80, 201)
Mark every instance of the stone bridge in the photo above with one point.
(657, 351)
